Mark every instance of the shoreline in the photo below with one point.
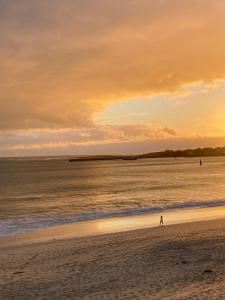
(113, 225)
(182, 261)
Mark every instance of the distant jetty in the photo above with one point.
(198, 152)
(130, 158)
(103, 157)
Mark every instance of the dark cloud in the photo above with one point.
(170, 131)
(101, 134)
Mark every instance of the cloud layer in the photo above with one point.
(98, 135)
(64, 61)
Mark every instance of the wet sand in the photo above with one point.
(184, 261)
(113, 225)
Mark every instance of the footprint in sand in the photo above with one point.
(18, 272)
(208, 271)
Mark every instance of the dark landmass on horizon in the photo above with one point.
(198, 152)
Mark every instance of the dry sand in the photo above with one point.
(185, 261)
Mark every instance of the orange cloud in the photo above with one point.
(62, 62)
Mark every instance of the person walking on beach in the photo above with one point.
(161, 221)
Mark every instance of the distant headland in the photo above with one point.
(198, 152)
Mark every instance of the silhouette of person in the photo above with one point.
(200, 162)
(161, 221)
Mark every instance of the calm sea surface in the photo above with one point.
(41, 192)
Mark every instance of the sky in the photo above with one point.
(109, 76)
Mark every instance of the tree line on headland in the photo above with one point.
(198, 152)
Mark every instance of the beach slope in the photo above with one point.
(185, 261)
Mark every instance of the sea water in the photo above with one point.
(42, 192)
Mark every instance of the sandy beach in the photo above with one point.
(185, 261)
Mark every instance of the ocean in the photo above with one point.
(46, 191)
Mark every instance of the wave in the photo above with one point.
(25, 197)
(28, 223)
(156, 209)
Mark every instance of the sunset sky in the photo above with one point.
(111, 76)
